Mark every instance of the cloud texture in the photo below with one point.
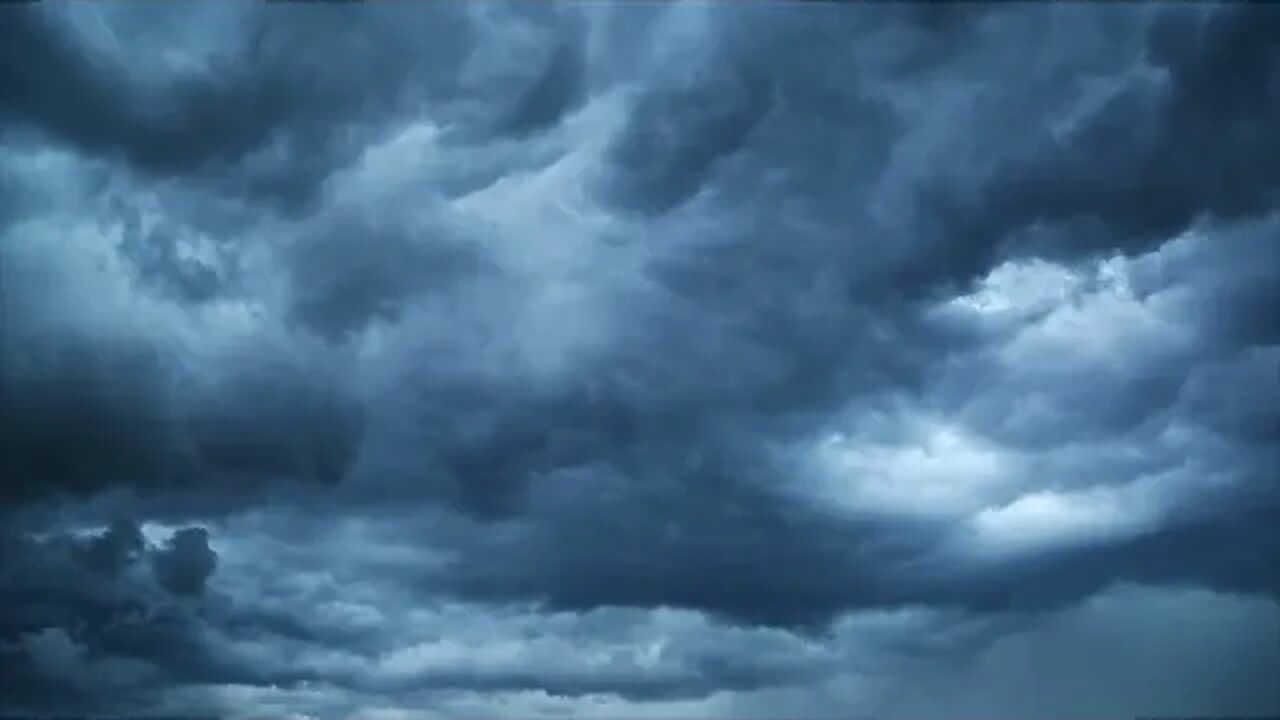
(640, 360)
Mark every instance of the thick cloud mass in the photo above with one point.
(639, 360)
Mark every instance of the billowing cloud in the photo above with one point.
(638, 360)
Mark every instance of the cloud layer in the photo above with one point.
(640, 360)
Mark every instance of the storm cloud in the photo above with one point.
(639, 360)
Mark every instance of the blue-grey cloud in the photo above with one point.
(689, 359)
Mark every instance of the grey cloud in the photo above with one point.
(718, 549)
(713, 117)
(679, 129)
(73, 398)
(158, 262)
(681, 431)
(362, 632)
(260, 121)
(1168, 144)
(355, 273)
(263, 421)
(307, 116)
(56, 80)
(115, 549)
(186, 562)
(62, 631)
(1089, 683)
(86, 629)
(79, 419)
(556, 91)
(583, 319)
(1093, 652)
(93, 399)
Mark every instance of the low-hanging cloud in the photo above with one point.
(682, 360)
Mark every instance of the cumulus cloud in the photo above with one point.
(637, 360)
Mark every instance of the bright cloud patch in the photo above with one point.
(927, 468)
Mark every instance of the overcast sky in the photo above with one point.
(640, 360)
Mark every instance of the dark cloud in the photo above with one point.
(556, 91)
(268, 118)
(113, 550)
(684, 360)
(356, 273)
(679, 129)
(186, 562)
(1168, 143)
(78, 419)
(266, 422)
(84, 627)
(67, 89)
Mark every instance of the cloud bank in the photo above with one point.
(628, 360)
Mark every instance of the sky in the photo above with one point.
(640, 360)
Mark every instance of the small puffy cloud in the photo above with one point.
(186, 562)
